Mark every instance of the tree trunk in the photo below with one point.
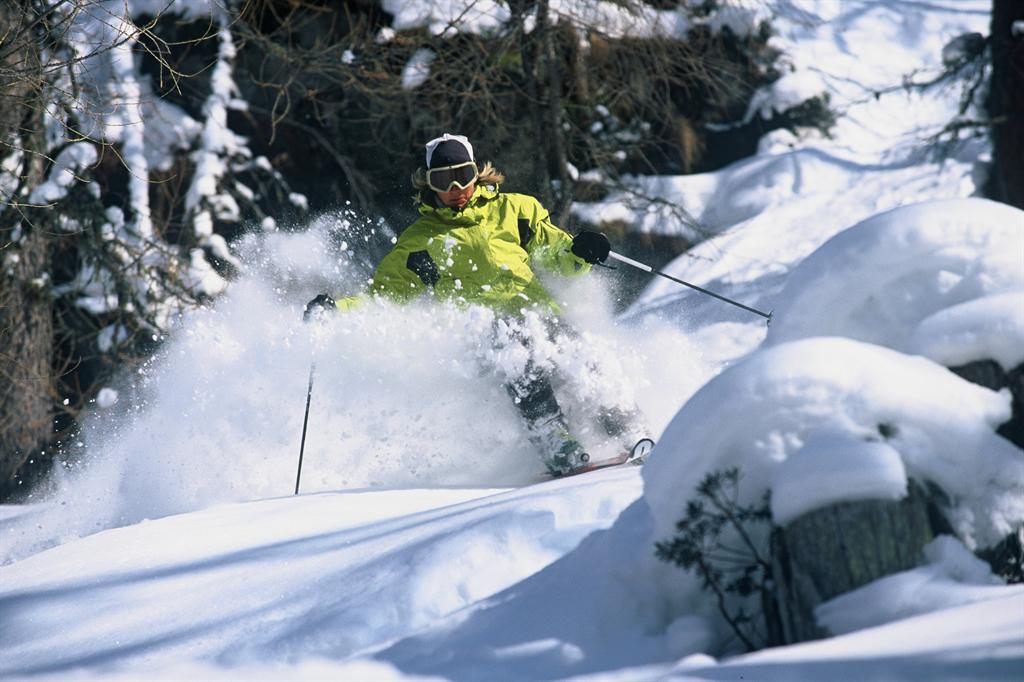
(26, 328)
(1006, 103)
(530, 49)
(830, 551)
(559, 211)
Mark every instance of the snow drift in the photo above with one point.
(884, 277)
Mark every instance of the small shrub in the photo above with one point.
(704, 543)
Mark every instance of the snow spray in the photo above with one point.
(403, 401)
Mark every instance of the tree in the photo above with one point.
(91, 276)
(26, 336)
(1006, 102)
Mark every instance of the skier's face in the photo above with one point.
(457, 198)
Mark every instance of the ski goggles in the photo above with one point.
(443, 179)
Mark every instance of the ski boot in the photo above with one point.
(562, 453)
(568, 459)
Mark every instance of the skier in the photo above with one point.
(476, 244)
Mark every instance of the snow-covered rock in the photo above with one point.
(829, 470)
(784, 397)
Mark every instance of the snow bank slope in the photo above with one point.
(287, 579)
(978, 641)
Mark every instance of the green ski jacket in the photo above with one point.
(484, 254)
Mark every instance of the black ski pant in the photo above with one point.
(532, 391)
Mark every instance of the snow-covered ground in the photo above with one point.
(422, 545)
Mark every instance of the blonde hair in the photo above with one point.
(489, 175)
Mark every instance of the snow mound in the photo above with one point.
(828, 470)
(988, 327)
(786, 397)
(882, 278)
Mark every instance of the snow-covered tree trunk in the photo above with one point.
(1006, 102)
(834, 550)
(26, 335)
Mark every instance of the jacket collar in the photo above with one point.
(431, 206)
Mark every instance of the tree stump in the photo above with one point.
(830, 551)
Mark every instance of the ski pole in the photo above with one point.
(647, 268)
(305, 422)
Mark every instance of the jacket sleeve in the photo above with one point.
(402, 275)
(396, 277)
(549, 246)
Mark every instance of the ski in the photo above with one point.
(636, 455)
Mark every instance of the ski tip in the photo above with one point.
(642, 448)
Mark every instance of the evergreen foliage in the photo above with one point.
(715, 540)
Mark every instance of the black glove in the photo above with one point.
(592, 247)
(317, 306)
